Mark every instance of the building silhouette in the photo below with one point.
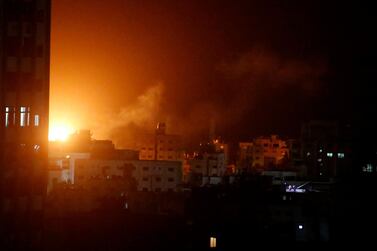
(24, 98)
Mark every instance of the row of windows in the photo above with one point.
(273, 145)
(144, 148)
(158, 179)
(146, 168)
(23, 117)
(158, 189)
(159, 157)
(161, 149)
(330, 155)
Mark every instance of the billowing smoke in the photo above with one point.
(136, 119)
(254, 93)
(263, 66)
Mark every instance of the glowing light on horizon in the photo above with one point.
(59, 132)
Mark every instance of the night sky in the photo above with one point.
(256, 67)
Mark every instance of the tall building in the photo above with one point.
(326, 149)
(160, 146)
(24, 99)
(263, 153)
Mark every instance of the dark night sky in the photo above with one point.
(257, 67)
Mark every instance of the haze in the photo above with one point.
(118, 67)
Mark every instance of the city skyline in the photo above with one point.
(186, 125)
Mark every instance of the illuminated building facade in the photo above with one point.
(160, 146)
(263, 153)
(24, 98)
(150, 175)
(269, 151)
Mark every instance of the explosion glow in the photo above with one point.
(59, 132)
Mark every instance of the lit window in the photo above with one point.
(212, 242)
(36, 120)
(308, 154)
(341, 155)
(22, 116)
(7, 109)
(36, 148)
(319, 160)
(301, 227)
(28, 116)
(329, 155)
(320, 150)
(14, 116)
(368, 168)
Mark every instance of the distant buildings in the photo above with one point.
(63, 156)
(24, 98)
(208, 165)
(149, 175)
(160, 146)
(326, 149)
(263, 153)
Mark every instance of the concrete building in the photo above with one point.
(245, 156)
(58, 172)
(326, 149)
(263, 153)
(160, 146)
(269, 151)
(150, 175)
(24, 98)
(207, 168)
(63, 158)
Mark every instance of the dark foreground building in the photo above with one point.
(24, 99)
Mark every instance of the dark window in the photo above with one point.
(145, 179)
(12, 45)
(145, 189)
(170, 157)
(170, 169)
(265, 145)
(158, 179)
(40, 15)
(170, 179)
(145, 168)
(158, 189)
(275, 145)
(28, 46)
(170, 190)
